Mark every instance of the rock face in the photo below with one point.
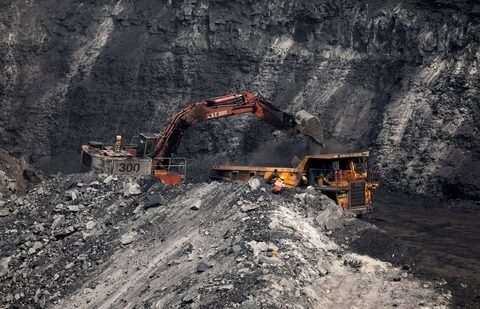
(399, 78)
(16, 176)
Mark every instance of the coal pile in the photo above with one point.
(88, 241)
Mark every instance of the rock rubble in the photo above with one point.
(115, 250)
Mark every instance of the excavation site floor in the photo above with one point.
(443, 239)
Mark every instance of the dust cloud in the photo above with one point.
(287, 153)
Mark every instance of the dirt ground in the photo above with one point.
(442, 236)
(434, 239)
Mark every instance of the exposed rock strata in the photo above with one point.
(399, 78)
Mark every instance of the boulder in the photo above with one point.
(4, 212)
(311, 190)
(300, 197)
(57, 221)
(273, 224)
(254, 184)
(36, 246)
(131, 188)
(108, 179)
(334, 223)
(90, 225)
(257, 247)
(249, 207)
(332, 217)
(73, 208)
(71, 195)
(202, 266)
(128, 238)
(196, 205)
(4, 266)
(153, 200)
(237, 249)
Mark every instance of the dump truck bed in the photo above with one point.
(244, 173)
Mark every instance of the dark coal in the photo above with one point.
(154, 201)
(383, 246)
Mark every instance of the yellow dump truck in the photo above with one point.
(344, 177)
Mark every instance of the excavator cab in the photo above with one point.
(145, 144)
(171, 171)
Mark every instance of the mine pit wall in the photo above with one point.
(399, 78)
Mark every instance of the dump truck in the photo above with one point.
(344, 177)
(155, 153)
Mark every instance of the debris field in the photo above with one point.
(102, 241)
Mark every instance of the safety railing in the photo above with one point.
(176, 165)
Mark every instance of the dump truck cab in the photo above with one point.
(344, 177)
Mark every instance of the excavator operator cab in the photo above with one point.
(145, 143)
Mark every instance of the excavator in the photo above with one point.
(155, 153)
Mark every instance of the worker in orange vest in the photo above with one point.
(278, 185)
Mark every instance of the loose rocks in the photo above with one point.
(196, 205)
(90, 225)
(107, 255)
(4, 266)
(128, 238)
(4, 212)
(254, 184)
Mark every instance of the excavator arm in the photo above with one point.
(230, 105)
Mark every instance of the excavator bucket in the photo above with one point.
(309, 125)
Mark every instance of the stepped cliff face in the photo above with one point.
(399, 78)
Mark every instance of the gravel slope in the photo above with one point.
(93, 241)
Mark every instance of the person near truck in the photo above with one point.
(273, 176)
(278, 185)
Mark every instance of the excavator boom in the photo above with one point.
(154, 153)
(230, 105)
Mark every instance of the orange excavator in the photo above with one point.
(155, 153)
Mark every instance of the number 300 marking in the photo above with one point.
(129, 167)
